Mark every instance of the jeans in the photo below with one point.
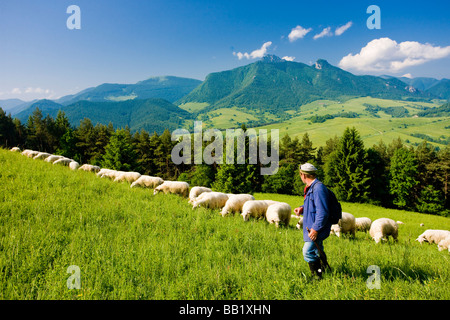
(310, 252)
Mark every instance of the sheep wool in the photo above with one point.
(89, 168)
(53, 158)
(279, 212)
(196, 191)
(146, 181)
(42, 155)
(382, 228)
(255, 208)
(63, 161)
(444, 244)
(363, 224)
(74, 165)
(129, 177)
(235, 203)
(211, 200)
(433, 236)
(175, 187)
(345, 225)
(15, 149)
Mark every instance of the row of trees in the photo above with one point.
(392, 175)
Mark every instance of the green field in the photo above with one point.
(130, 244)
(372, 128)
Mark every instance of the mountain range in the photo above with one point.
(270, 85)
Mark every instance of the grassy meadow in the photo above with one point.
(130, 244)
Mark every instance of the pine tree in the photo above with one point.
(403, 172)
(346, 168)
(119, 153)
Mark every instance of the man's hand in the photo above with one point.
(298, 211)
(313, 234)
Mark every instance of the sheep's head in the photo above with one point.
(245, 214)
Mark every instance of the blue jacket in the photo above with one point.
(316, 211)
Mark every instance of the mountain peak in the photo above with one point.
(271, 58)
(321, 63)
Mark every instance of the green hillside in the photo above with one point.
(167, 87)
(275, 85)
(148, 114)
(129, 244)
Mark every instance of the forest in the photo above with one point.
(391, 175)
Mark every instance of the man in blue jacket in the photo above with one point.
(316, 214)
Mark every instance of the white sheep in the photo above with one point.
(31, 153)
(63, 161)
(112, 174)
(129, 177)
(74, 165)
(196, 191)
(42, 155)
(53, 158)
(147, 182)
(444, 244)
(211, 200)
(345, 225)
(235, 203)
(433, 236)
(279, 212)
(383, 228)
(89, 168)
(26, 152)
(175, 187)
(363, 224)
(255, 208)
(15, 149)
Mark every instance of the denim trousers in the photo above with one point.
(310, 251)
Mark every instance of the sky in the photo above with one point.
(126, 41)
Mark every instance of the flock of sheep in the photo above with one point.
(275, 212)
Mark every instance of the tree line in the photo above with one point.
(392, 175)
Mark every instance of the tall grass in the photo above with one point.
(130, 244)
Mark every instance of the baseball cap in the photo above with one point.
(308, 168)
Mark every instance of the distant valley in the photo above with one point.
(270, 93)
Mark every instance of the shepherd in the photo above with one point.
(316, 219)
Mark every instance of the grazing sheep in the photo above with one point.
(74, 165)
(53, 158)
(383, 228)
(112, 174)
(89, 168)
(400, 222)
(433, 236)
(279, 212)
(196, 191)
(175, 187)
(103, 171)
(42, 155)
(444, 244)
(31, 153)
(26, 152)
(235, 203)
(63, 161)
(255, 208)
(363, 224)
(15, 149)
(147, 182)
(129, 177)
(211, 200)
(345, 225)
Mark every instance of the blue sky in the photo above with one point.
(128, 41)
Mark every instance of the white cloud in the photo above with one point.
(258, 53)
(386, 55)
(408, 75)
(343, 28)
(298, 33)
(287, 58)
(16, 91)
(325, 33)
